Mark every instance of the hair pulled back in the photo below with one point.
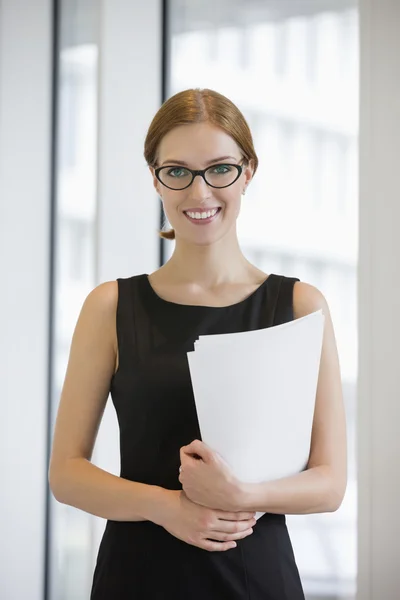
(198, 106)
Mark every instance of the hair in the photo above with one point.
(198, 106)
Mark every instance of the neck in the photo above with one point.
(208, 265)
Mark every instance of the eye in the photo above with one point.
(221, 169)
(177, 172)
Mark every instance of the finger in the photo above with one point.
(233, 526)
(231, 537)
(217, 546)
(182, 454)
(195, 446)
(199, 448)
(186, 460)
(235, 516)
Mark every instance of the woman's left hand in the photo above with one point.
(208, 480)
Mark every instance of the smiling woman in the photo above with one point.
(189, 533)
(195, 191)
(224, 151)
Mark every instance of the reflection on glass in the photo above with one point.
(71, 565)
(283, 64)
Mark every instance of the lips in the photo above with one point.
(201, 210)
(198, 216)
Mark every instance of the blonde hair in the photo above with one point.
(198, 106)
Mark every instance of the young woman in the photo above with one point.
(179, 527)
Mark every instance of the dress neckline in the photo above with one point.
(205, 306)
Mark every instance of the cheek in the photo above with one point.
(170, 202)
(232, 201)
(229, 197)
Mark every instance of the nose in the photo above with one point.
(199, 190)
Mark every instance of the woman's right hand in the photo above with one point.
(209, 529)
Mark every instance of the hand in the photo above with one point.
(208, 480)
(212, 530)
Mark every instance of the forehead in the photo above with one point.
(197, 143)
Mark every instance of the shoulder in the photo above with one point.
(307, 299)
(101, 302)
(103, 299)
(104, 296)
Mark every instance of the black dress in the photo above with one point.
(153, 398)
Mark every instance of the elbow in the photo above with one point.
(336, 495)
(334, 502)
(332, 489)
(56, 485)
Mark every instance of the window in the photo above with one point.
(71, 569)
(299, 217)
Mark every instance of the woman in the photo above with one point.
(179, 527)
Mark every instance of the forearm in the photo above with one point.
(83, 485)
(311, 491)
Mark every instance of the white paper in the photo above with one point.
(244, 336)
(255, 396)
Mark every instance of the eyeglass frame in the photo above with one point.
(201, 172)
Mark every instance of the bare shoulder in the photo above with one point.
(97, 320)
(102, 300)
(307, 299)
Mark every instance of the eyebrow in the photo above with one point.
(184, 164)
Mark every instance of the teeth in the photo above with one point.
(203, 215)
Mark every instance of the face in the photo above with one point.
(199, 146)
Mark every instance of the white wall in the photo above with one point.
(25, 91)
(379, 303)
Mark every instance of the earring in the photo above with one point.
(244, 191)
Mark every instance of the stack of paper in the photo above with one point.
(255, 396)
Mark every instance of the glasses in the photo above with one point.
(221, 175)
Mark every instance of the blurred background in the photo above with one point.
(281, 64)
(293, 68)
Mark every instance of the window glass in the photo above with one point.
(70, 556)
(292, 68)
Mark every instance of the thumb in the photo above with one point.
(198, 447)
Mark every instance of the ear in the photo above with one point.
(156, 183)
(248, 172)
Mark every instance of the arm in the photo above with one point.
(73, 479)
(321, 487)
(77, 482)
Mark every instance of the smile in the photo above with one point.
(201, 218)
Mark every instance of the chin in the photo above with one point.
(208, 240)
(206, 236)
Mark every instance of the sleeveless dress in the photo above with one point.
(154, 402)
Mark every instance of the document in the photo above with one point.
(255, 396)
